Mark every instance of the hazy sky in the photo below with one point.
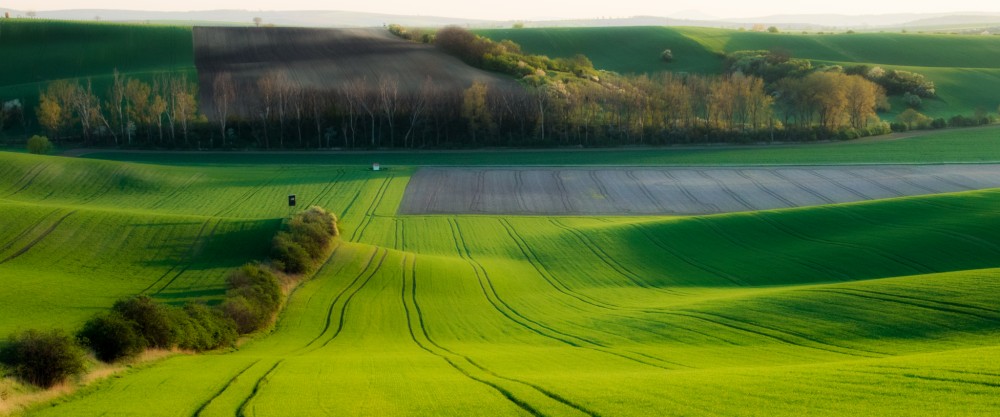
(535, 9)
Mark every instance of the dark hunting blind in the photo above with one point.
(291, 200)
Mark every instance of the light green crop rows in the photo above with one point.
(879, 308)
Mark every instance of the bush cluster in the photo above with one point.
(137, 323)
(39, 145)
(253, 296)
(42, 358)
(134, 324)
(303, 240)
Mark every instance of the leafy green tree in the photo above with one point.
(39, 145)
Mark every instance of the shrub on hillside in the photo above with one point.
(151, 319)
(39, 145)
(199, 327)
(112, 337)
(667, 56)
(254, 295)
(42, 358)
(288, 255)
(304, 240)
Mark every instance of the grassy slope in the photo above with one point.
(881, 308)
(965, 68)
(960, 145)
(37, 52)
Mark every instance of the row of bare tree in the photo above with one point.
(275, 111)
(130, 111)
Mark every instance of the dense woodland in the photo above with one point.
(761, 96)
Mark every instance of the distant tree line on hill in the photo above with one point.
(131, 111)
(763, 96)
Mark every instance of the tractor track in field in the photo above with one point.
(195, 246)
(587, 343)
(764, 189)
(712, 207)
(563, 194)
(261, 382)
(605, 191)
(688, 260)
(877, 184)
(670, 311)
(249, 194)
(645, 191)
(532, 259)
(925, 304)
(330, 185)
(28, 230)
(783, 336)
(224, 388)
(910, 264)
(191, 250)
(347, 301)
(109, 184)
(485, 282)
(177, 190)
(370, 213)
(28, 178)
(518, 194)
(37, 239)
(946, 303)
(475, 206)
(836, 184)
(426, 335)
(903, 178)
(333, 303)
(728, 191)
(800, 186)
(929, 229)
(819, 268)
(606, 259)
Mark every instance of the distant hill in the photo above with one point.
(308, 18)
(349, 19)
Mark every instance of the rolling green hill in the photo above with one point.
(36, 52)
(878, 308)
(965, 68)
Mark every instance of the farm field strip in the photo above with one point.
(675, 191)
(313, 57)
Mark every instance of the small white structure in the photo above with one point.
(376, 167)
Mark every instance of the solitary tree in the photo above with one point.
(257, 21)
(667, 55)
(39, 145)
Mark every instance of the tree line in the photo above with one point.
(130, 112)
(763, 96)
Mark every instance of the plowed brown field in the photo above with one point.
(325, 58)
(666, 191)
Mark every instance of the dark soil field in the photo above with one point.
(643, 191)
(325, 58)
